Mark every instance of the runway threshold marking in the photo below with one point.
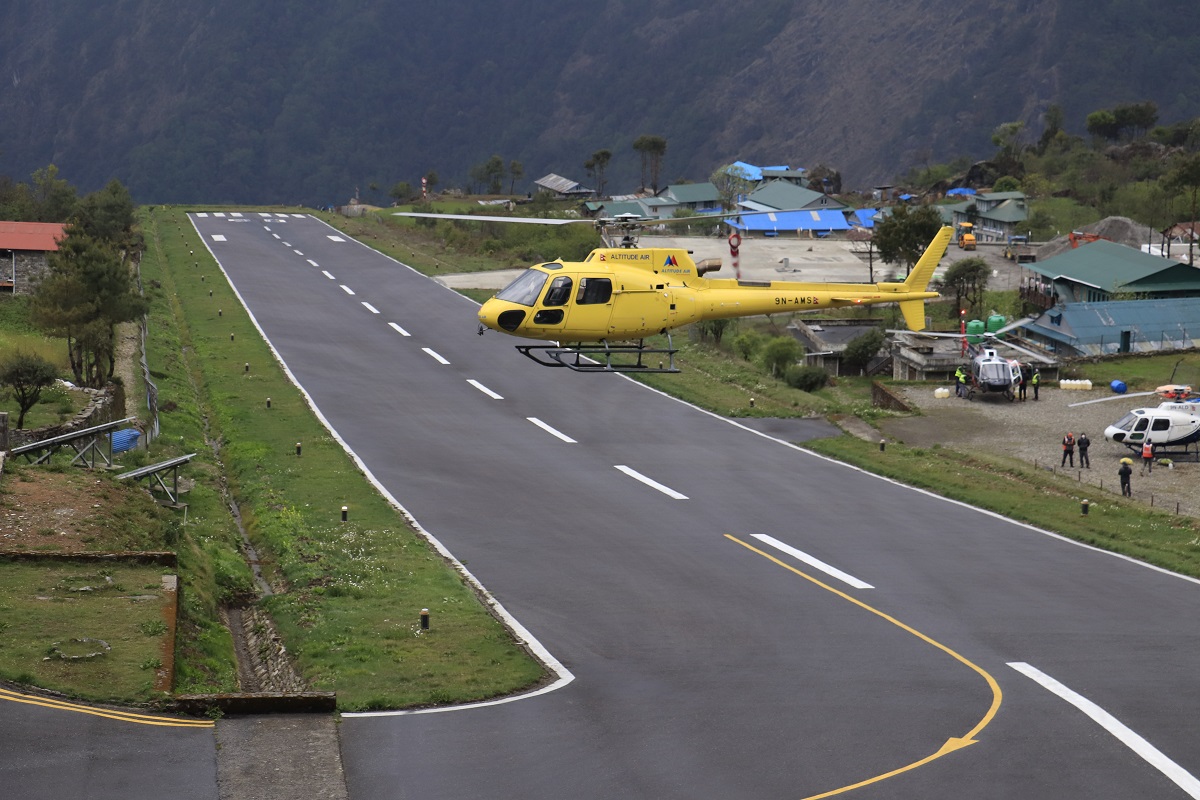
(483, 388)
(813, 561)
(107, 713)
(653, 484)
(552, 431)
(952, 744)
(1149, 753)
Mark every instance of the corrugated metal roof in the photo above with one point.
(693, 192)
(784, 195)
(788, 221)
(1096, 328)
(1115, 267)
(557, 183)
(31, 236)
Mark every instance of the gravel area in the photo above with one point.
(1033, 431)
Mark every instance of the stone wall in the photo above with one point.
(104, 405)
(30, 267)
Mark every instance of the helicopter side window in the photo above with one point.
(593, 291)
(525, 289)
(1141, 424)
(559, 292)
(1161, 424)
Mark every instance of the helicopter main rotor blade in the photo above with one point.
(485, 218)
(1110, 399)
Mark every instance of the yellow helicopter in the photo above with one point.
(596, 313)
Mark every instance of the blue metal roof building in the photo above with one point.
(774, 223)
(1120, 326)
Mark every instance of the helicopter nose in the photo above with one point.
(500, 317)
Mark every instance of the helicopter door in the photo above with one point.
(1138, 433)
(552, 313)
(588, 316)
(1160, 430)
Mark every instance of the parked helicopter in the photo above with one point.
(596, 313)
(990, 372)
(1170, 424)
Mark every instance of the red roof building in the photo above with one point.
(23, 250)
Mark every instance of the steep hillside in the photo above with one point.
(305, 101)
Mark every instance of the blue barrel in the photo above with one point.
(1118, 386)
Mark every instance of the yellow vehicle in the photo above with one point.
(596, 313)
(966, 236)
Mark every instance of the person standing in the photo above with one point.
(1021, 384)
(960, 382)
(1068, 449)
(1035, 380)
(1147, 456)
(1124, 473)
(1084, 443)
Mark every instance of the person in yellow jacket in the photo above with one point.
(1035, 380)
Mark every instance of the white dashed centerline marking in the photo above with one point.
(335, 239)
(1151, 754)
(276, 235)
(370, 307)
(813, 562)
(218, 237)
(202, 214)
(432, 353)
(398, 329)
(327, 275)
(483, 389)
(315, 264)
(346, 289)
(297, 252)
(552, 431)
(653, 484)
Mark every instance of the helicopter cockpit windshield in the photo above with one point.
(994, 373)
(1126, 422)
(525, 289)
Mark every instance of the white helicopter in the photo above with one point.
(1167, 425)
(1171, 424)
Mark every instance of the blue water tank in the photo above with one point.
(126, 439)
(1118, 387)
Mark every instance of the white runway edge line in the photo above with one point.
(653, 484)
(563, 676)
(481, 387)
(813, 562)
(552, 431)
(346, 289)
(370, 307)
(1151, 754)
(434, 354)
(398, 329)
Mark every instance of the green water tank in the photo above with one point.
(975, 329)
(995, 322)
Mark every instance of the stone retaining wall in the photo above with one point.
(104, 405)
(883, 397)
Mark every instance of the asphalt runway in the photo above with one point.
(734, 616)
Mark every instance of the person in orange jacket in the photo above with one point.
(1068, 449)
(1147, 456)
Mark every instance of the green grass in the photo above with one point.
(353, 590)
(1022, 492)
(45, 607)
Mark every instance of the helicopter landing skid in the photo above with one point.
(601, 357)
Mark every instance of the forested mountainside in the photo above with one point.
(306, 100)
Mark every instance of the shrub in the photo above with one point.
(806, 379)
